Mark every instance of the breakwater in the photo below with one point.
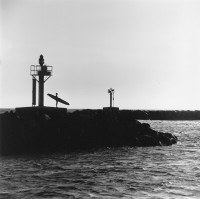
(166, 114)
(47, 129)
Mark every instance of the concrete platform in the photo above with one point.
(45, 109)
(110, 109)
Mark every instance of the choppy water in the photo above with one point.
(152, 172)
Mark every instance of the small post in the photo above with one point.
(111, 110)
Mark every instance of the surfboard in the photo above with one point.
(58, 99)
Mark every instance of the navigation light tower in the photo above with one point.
(40, 73)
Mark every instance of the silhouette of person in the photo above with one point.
(56, 100)
(41, 60)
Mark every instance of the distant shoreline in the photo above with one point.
(3, 110)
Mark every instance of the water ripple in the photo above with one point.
(127, 172)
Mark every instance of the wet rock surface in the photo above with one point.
(37, 132)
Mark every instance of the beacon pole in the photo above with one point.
(41, 81)
(41, 90)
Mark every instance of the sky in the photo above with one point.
(147, 50)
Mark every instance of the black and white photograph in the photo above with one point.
(100, 99)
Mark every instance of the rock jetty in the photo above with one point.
(40, 130)
(166, 114)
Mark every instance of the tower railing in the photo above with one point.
(34, 69)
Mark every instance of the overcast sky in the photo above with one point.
(147, 50)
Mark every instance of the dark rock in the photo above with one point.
(165, 140)
(146, 126)
(53, 131)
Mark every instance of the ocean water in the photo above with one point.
(143, 172)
